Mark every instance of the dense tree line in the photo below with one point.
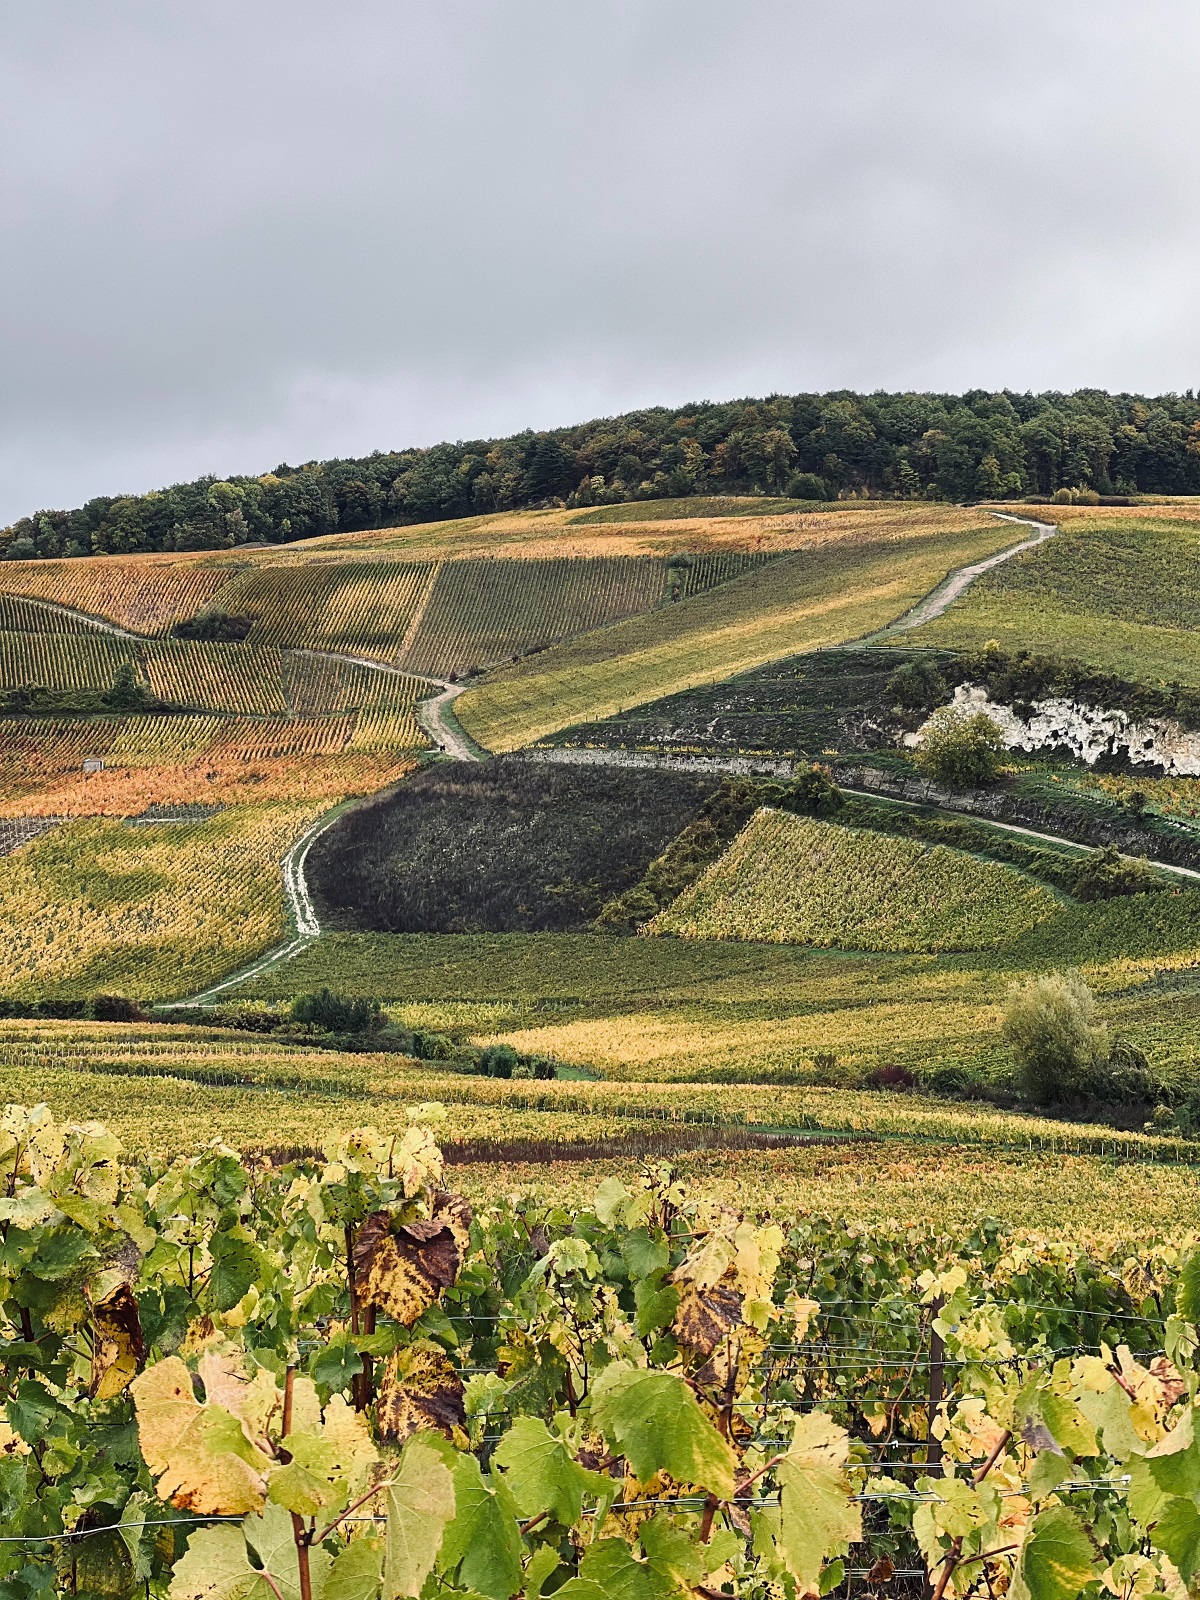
(909, 446)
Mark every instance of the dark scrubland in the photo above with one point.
(504, 846)
(848, 708)
(836, 701)
(805, 705)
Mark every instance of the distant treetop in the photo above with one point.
(808, 446)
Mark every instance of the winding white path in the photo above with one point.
(300, 904)
(939, 600)
(446, 734)
(300, 907)
(55, 608)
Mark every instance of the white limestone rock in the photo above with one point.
(1088, 732)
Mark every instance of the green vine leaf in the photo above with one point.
(483, 1542)
(542, 1473)
(421, 1501)
(1056, 1559)
(655, 1421)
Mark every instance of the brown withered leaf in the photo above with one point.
(705, 1318)
(1173, 1386)
(404, 1271)
(882, 1571)
(420, 1389)
(118, 1349)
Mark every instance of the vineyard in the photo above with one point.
(144, 594)
(710, 1011)
(95, 905)
(62, 660)
(314, 684)
(833, 592)
(366, 606)
(811, 1032)
(168, 1089)
(233, 761)
(794, 880)
(239, 679)
(334, 1380)
(484, 612)
(18, 615)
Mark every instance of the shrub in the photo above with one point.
(498, 1060)
(1060, 1043)
(919, 686)
(890, 1076)
(429, 1046)
(950, 1080)
(115, 1008)
(1183, 1118)
(335, 1013)
(961, 750)
(814, 793)
(1125, 1076)
(250, 1019)
(808, 486)
(216, 626)
(1106, 873)
(128, 691)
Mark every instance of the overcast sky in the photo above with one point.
(234, 232)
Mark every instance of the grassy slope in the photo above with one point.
(1122, 593)
(655, 1008)
(827, 595)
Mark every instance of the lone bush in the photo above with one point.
(115, 1008)
(1060, 1044)
(215, 626)
(891, 1076)
(950, 1080)
(1106, 873)
(335, 1013)
(814, 794)
(963, 751)
(917, 686)
(128, 692)
(498, 1060)
(808, 486)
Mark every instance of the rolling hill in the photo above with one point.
(228, 702)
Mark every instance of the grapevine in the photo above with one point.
(332, 1380)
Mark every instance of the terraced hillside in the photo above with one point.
(833, 592)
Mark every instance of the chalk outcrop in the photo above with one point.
(1088, 732)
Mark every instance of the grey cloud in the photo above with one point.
(235, 233)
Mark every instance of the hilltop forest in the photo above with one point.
(808, 446)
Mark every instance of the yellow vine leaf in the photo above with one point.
(200, 1454)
